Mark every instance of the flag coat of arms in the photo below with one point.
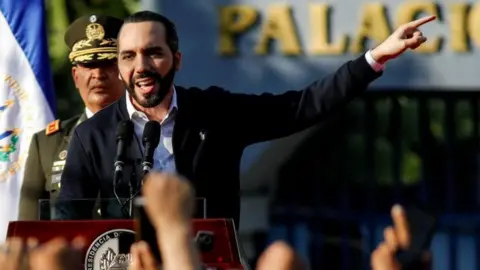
(27, 95)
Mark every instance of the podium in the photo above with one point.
(216, 238)
(109, 238)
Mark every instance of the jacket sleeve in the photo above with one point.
(79, 187)
(33, 185)
(265, 117)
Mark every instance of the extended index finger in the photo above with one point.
(401, 226)
(419, 22)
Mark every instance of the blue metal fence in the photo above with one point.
(420, 146)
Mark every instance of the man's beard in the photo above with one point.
(155, 98)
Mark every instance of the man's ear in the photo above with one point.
(177, 58)
(75, 75)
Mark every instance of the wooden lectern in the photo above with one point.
(106, 247)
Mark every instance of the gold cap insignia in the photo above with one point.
(95, 31)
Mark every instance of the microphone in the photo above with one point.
(150, 140)
(124, 136)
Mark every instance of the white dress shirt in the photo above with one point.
(163, 158)
(376, 66)
(88, 113)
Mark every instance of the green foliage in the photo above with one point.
(383, 151)
(410, 164)
(60, 13)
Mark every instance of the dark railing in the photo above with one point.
(386, 148)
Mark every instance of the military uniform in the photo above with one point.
(44, 166)
(91, 39)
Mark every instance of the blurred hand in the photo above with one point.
(169, 202)
(13, 254)
(396, 238)
(54, 255)
(405, 37)
(280, 256)
(58, 254)
(142, 257)
(169, 199)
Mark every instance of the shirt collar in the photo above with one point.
(133, 112)
(88, 112)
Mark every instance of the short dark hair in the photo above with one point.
(171, 35)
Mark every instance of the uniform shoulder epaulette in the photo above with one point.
(53, 127)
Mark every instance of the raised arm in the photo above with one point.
(266, 117)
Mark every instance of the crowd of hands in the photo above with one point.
(169, 203)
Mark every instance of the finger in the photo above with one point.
(417, 33)
(55, 245)
(79, 242)
(381, 258)
(401, 226)
(414, 42)
(390, 238)
(280, 256)
(419, 42)
(15, 253)
(419, 22)
(32, 243)
(409, 32)
(4, 253)
(135, 264)
(413, 34)
(56, 248)
(147, 260)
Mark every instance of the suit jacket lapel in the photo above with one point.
(66, 138)
(184, 139)
(63, 143)
(179, 133)
(82, 118)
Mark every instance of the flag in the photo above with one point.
(27, 96)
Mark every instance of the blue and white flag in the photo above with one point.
(27, 96)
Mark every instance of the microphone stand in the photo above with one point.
(118, 175)
(129, 201)
(130, 204)
(124, 136)
(147, 166)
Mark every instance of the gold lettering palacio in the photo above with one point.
(277, 24)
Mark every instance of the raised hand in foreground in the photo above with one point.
(396, 238)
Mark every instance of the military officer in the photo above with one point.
(93, 54)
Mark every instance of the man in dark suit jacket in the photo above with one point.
(204, 132)
(95, 73)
